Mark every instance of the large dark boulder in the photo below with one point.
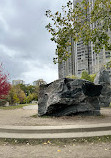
(68, 97)
(103, 78)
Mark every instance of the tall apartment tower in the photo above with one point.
(83, 58)
(67, 68)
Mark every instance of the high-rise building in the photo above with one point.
(39, 82)
(16, 82)
(83, 58)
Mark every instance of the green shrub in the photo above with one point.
(73, 77)
(93, 77)
(2, 102)
(88, 77)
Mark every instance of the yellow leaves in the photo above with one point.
(48, 142)
(67, 55)
(76, 39)
(59, 150)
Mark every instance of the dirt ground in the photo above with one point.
(21, 117)
(101, 150)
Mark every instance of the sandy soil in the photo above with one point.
(102, 150)
(21, 117)
(24, 117)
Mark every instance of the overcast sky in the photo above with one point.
(25, 47)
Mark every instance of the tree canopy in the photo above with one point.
(80, 21)
(4, 84)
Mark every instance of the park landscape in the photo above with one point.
(69, 117)
(17, 120)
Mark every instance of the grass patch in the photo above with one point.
(14, 107)
(45, 116)
(35, 116)
(56, 142)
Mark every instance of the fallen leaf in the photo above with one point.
(59, 150)
(49, 142)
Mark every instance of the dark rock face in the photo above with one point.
(103, 78)
(91, 90)
(68, 97)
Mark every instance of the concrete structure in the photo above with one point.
(39, 82)
(79, 59)
(16, 82)
(55, 132)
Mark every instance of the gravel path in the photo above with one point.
(101, 150)
(24, 117)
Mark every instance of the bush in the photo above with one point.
(88, 77)
(2, 102)
(73, 77)
(93, 77)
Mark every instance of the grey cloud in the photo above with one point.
(22, 30)
(12, 67)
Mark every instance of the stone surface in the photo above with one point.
(103, 78)
(69, 96)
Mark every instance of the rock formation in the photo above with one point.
(103, 78)
(69, 97)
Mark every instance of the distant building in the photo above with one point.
(39, 82)
(16, 82)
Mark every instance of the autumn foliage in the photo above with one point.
(4, 84)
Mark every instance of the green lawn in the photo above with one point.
(14, 107)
